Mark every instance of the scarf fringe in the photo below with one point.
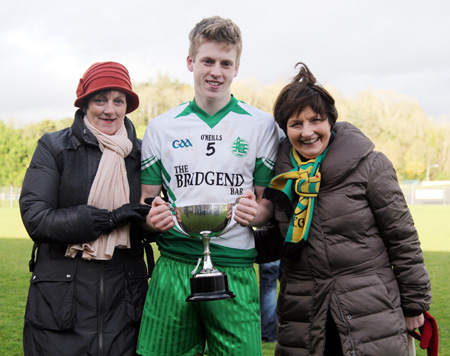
(280, 200)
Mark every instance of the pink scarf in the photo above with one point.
(110, 190)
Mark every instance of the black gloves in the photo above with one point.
(127, 212)
(92, 221)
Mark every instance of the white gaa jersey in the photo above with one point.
(203, 159)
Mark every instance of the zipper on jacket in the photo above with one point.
(341, 313)
(100, 310)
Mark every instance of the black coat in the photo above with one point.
(77, 307)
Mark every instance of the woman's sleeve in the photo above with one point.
(43, 220)
(268, 243)
(396, 227)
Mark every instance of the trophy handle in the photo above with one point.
(231, 225)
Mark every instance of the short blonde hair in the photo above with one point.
(215, 29)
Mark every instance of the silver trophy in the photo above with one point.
(206, 221)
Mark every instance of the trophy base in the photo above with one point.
(209, 286)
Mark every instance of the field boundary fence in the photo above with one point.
(9, 196)
(433, 192)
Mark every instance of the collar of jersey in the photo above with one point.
(213, 120)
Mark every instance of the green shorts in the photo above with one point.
(173, 327)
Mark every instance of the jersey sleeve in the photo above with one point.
(151, 172)
(267, 152)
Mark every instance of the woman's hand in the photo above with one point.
(414, 322)
(126, 213)
(160, 217)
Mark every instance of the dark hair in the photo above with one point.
(303, 91)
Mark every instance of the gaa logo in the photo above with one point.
(181, 143)
(240, 147)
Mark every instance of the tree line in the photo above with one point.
(395, 123)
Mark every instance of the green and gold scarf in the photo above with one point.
(302, 182)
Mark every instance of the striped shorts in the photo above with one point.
(173, 327)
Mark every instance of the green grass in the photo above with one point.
(15, 250)
(14, 282)
(11, 224)
(432, 223)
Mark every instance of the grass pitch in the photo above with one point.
(15, 251)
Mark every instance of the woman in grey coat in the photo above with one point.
(80, 205)
(354, 277)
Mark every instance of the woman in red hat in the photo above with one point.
(80, 206)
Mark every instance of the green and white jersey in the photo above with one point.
(203, 159)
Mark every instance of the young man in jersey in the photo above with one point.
(213, 149)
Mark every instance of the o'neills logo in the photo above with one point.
(209, 178)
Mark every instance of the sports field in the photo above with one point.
(432, 222)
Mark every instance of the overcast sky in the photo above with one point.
(400, 45)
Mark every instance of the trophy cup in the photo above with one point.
(206, 221)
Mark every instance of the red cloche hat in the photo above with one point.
(106, 75)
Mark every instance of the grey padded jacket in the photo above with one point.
(362, 260)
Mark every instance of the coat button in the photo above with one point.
(34, 277)
(68, 275)
(349, 316)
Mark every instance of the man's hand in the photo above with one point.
(160, 217)
(246, 209)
